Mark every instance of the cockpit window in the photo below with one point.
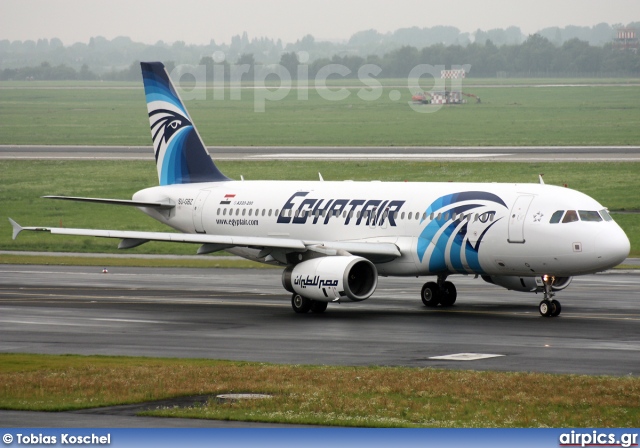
(589, 216)
(580, 215)
(570, 216)
(605, 214)
(555, 218)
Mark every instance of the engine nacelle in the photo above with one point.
(331, 278)
(526, 284)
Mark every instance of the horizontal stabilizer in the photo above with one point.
(157, 205)
(16, 228)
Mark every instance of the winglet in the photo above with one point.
(540, 179)
(16, 228)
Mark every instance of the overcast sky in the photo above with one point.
(198, 22)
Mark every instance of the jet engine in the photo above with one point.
(327, 279)
(526, 284)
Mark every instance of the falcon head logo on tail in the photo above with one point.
(181, 157)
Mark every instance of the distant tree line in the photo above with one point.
(535, 56)
(102, 55)
(47, 72)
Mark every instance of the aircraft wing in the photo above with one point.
(212, 243)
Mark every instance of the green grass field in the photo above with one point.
(322, 395)
(24, 182)
(544, 115)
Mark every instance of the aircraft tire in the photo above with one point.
(448, 295)
(300, 304)
(546, 308)
(318, 307)
(557, 308)
(429, 294)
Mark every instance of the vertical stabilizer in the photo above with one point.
(181, 157)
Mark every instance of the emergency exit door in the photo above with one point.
(198, 207)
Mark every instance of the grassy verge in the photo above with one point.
(579, 115)
(323, 395)
(628, 267)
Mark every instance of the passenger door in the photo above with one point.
(517, 218)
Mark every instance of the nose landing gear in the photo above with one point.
(549, 307)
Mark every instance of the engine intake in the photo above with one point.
(330, 278)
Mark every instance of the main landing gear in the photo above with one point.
(302, 305)
(549, 307)
(442, 292)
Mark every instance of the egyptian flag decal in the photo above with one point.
(227, 199)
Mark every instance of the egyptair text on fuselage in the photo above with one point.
(371, 211)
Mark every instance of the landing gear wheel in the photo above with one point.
(448, 294)
(318, 307)
(429, 294)
(557, 308)
(546, 308)
(300, 304)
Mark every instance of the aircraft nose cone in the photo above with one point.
(611, 247)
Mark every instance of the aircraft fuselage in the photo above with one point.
(465, 228)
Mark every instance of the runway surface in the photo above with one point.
(436, 153)
(246, 315)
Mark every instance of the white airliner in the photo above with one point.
(335, 238)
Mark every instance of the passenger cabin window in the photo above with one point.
(570, 216)
(555, 218)
(589, 216)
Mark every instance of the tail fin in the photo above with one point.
(181, 157)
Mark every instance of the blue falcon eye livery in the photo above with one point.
(458, 222)
(334, 239)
